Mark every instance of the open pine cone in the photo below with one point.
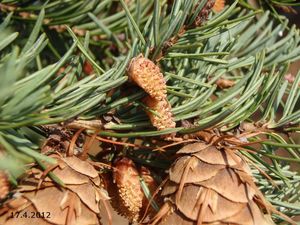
(213, 186)
(42, 202)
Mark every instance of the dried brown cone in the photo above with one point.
(203, 14)
(4, 185)
(224, 83)
(163, 118)
(127, 195)
(213, 186)
(40, 201)
(148, 76)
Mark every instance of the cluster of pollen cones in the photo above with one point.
(39, 201)
(148, 76)
(213, 186)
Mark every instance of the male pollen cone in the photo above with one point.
(147, 75)
(127, 195)
(164, 118)
(219, 5)
(211, 186)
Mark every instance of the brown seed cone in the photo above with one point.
(164, 118)
(147, 75)
(211, 186)
(4, 185)
(77, 203)
(203, 14)
(127, 195)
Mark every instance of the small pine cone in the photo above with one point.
(164, 119)
(127, 195)
(4, 185)
(46, 203)
(219, 5)
(224, 83)
(203, 14)
(147, 75)
(211, 186)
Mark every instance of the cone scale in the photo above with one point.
(208, 185)
(41, 201)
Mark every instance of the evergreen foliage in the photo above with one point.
(66, 61)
